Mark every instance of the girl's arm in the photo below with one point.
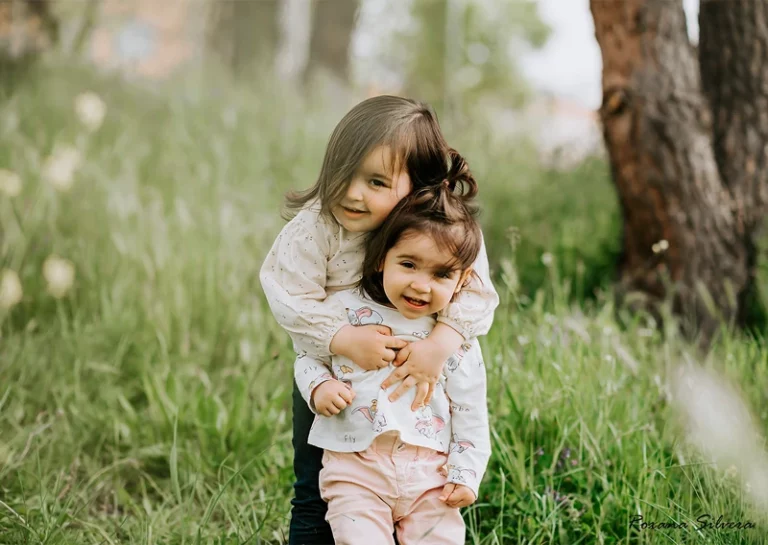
(470, 447)
(309, 374)
(293, 278)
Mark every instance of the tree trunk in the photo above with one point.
(733, 56)
(426, 77)
(682, 239)
(333, 22)
(244, 34)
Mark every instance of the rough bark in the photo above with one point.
(657, 129)
(733, 57)
(244, 33)
(333, 22)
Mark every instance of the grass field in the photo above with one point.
(151, 402)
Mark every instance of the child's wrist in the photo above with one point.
(446, 337)
(340, 340)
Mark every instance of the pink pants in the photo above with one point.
(389, 486)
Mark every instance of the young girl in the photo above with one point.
(386, 466)
(383, 149)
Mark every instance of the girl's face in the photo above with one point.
(374, 191)
(417, 278)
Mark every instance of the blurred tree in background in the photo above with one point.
(461, 55)
(243, 34)
(688, 142)
(333, 24)
(27, 28)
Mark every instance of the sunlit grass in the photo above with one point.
(149, 402)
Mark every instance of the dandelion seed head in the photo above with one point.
(10, 289)
(10, 183)
(59, 169)
(59, 273)
(90, 110)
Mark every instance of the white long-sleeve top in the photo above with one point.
(314, 256)
(455, 421)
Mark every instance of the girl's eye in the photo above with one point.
(445, 275)
(377, 183)
(407, 264)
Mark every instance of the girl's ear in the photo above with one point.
(380, 268)
(463, 281)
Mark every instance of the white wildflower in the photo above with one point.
(59, 169)
(523, 340)
(720, 425)
(10, 183)
(719, 421)
(59, 273)
(546, 259)
(535, 414)
(10, 288)
(660, 246)
(90, 109)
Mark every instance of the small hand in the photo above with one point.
(370, 346)
(420, 363)
(331, 397)
(457, 495)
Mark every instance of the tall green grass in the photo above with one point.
(152, 403)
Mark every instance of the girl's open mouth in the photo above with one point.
(352, 213)
(415, 303)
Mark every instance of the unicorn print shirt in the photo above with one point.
(455, 421)
(314, 256)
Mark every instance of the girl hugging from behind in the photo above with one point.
(385, 466)
(384, 149)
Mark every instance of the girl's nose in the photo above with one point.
(420, 286)
(354, 191)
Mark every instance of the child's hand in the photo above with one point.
(457, 495)
(369, 346)
(420, 363)
(331, 397)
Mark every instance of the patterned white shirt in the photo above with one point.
(314, 256)
(455, 421)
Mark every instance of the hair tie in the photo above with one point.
(448, 185)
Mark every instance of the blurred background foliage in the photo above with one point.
(462, 56)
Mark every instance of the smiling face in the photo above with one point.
(418, 278)
(376, 187)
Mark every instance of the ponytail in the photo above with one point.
(459, 176)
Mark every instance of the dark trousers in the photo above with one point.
(308, 525)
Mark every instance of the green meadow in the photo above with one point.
(150, 402)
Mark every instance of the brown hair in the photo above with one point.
(443, 212)
(407, 126)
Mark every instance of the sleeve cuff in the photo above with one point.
(312, 387)
(462, 330)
